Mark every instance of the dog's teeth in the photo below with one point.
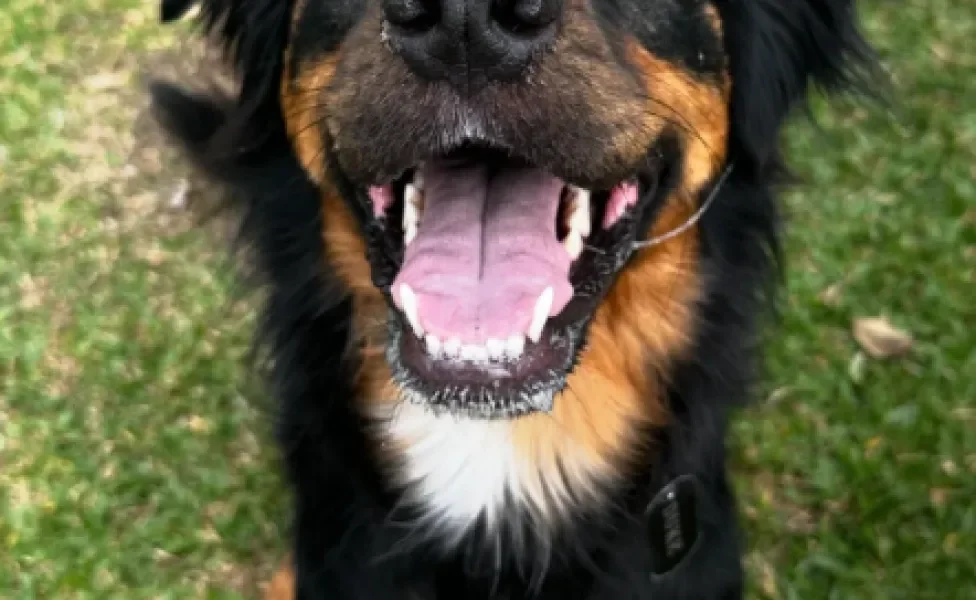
(452, 348)
(579, 216)
(411, 212)
(573, 244)
(474, 353)
(514, 346)
(408, 302)
(496, 348)
(433, 345)
(540, 315)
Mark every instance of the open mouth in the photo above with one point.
(494, 268)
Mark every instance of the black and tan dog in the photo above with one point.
(503, 343)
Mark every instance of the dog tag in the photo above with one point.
(673, 525)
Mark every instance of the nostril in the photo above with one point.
(524, 17)
(413, 16)
(469, 42)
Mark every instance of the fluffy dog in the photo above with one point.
(515, 254)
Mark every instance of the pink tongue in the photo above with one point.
(485, 251)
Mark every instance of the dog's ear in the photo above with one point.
(171, 10)
(253, 35)
(778, 50)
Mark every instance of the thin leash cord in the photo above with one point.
(692, 220)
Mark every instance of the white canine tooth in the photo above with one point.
(452, 348)
(579, 218)
(573, 244)
(514, 346)
(418, 177)
(541, 314)
(433, 345)
(496, 348)
(411, 212)
(408, 302)
(411, 196)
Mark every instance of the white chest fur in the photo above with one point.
(457, 470)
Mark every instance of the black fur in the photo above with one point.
(342, 537)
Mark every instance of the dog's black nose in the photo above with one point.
(466, 41)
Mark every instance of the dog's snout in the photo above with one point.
(467, 41)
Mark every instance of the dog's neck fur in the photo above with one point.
(460, 473)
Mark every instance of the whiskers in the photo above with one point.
(692, 220)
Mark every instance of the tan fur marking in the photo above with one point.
(344, 246)
(301, 105)
(300, 102)
(647, 318)
(699, 110)
(346, 253)
(282, 585)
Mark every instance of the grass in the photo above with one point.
(133, 465)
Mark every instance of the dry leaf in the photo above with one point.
(208, 534)
(832, 296)
(879, 338)
(106, 81)
(856, 368)
(177, 200)
(964, 413)
(767, 580)
(161, 555)
(938, 496)
(197, 424)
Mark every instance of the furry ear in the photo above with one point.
(221, 133)
(779, 49)
(193, 119)
(171, 10)
(253, 35)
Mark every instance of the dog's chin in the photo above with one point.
(493, 270)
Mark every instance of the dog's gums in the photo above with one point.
(498, 266)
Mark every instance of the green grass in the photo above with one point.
(132, 464)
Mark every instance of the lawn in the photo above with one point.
(134, 460)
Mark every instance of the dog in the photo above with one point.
(516, 256)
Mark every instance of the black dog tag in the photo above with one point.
(673, 526)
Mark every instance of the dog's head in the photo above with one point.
(486, 167)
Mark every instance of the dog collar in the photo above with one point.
(673, 524)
